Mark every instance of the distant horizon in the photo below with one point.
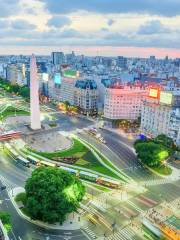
(104, 51)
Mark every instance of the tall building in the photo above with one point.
(67, 86)
(16, 74)
(86, 96)
(122, 62)
(58, 58)
(161, 114)
(34, 95)
(123, 102)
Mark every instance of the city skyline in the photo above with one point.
(92, 28)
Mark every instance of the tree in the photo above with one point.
(24, 92)
(15, 88)
(165, 141)
(151, 154)
(67, 105)
(52, 193)
(5, 217)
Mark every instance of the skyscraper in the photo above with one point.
(34, 95)
(57, 58)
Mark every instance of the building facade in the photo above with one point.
(86, 96)
(15, 74)
(123, 102)
(162, 116)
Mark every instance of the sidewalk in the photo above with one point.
(72, 223)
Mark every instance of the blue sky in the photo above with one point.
(106, 27)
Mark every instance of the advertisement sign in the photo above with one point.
(166, 98)
(154, 93)
(71, 73)
(45, 77)
(57, 78)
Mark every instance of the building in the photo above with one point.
(161, 114)
(58, 58)
(86, 96)
(68, 85)
(123, 102)
(16, 74)
(122, 62)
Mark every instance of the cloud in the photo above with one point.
(58, 21)
(105, 29)
(71, 37)
(110, 22)
(153, 27)
(21, 24)
(152, 7)
(4, 24)
(9, 7)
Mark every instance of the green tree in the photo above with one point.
(151, 154)
(5, 217)
(67, 105)
(165, 141)
(52, 193)
(15, 88)
(24, 92)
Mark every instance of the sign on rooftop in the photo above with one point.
(154, 93)
(71, 73)
(166, 98)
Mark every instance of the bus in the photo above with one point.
(10, 135)
(33, 160)
(108, 182)
(88, 176)
(70, 170)
(22, 161)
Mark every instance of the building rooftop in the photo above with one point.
(86, 84)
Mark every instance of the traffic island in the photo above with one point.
(73, 221)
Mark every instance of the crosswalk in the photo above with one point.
(156, 182)
(124, 234)
(89, 232)
(101, 201)
(135, 206)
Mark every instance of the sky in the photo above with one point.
(137, 28)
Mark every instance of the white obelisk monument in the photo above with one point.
(34, 95)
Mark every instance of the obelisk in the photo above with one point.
(34, 95)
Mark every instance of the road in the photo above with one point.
(21, 228)
(119, 151)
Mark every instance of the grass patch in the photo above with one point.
(108, 163)
(104, 189)
(25, 211)
(82, 162)
(8, 227)
(21, 197)
(12, 111)
(77, 150)
(163, 170)
(87, 160)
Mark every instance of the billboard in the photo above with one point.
(57, 78)
(71, 73)
(166, 98)
(154, 93)
(45, 77)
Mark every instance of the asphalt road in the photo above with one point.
(21, 229)
(119, 151)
